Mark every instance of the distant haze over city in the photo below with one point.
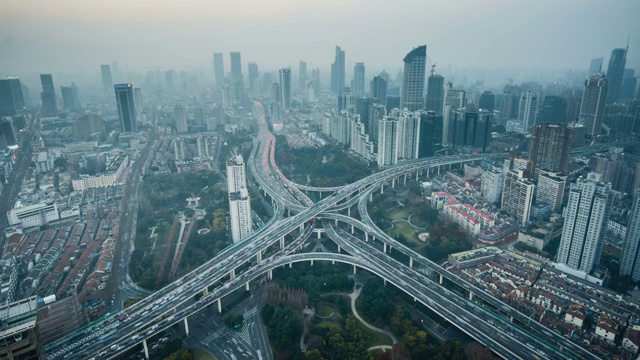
(67, 36)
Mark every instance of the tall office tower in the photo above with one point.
(376, 113)
(253, 76)
(408, 135)
(302, 75)
(338, 71)
(517, 195)
(393, 102)
(388, 140)
(615, 72)
(236, 67)
(126, 107)
(276, 93)
(487, 101)
(491, 184)
(276, 113)
(453, 99)
(528, 109)
(137, 98)
(315, 75)
(168, 79)
(554, 110)
(357, 86)
(11, 95)
(551, 189)
(218, 69)
(550, 147)
(20, 337)
(70, 98)
(48, 95)
(412, 91)
(574, 102)
(285, 88)
(593, 101)
(227, 102)
(629, 82)
(595, 66)
(181, 118)
(239, 201)
(585, 224)
(7, 132)
(378, 90)
(469, 128)
(630, 258)
(435, 94)
(430, 137)
(107, 79)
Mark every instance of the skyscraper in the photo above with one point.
(550, 147)
(11, 100)
(435, 94)
(491, 184)
(218, 69)
(388, 140)
(554, 110)
(585, 223)
(239, 201)
(517, 195)
(253, 76)
(593, 101)
(7, 133)
(412, 92)
(285, 88)
(107, 79)
(236, 68)
(615, 72)
(302, 75)
(595, 66)
(453, 99)
(551, 189)
(70, 98)
(630, 258)
(338, 71)
(528, 109)
(357, 87)
(430, 133)
(469, 128)
(181, 118)
(137, 97)
(487, 101)
(126, 107)
(378, 90)
(48, 95)
(315, 75)
(629, 82)
(376, 113)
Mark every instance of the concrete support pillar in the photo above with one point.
(333, 262)
(393, 183)
(349, 211)
(411, 262)
(470, 295)
(405, 179)
(371, 197)
(352, 229)
(384, 247)
(312, 262)
(336, 222)
(319, 234)
(259, 257)
(390, 248)
(338, 249)
(270, 274)
(146, 349)
(246, 286)
(290, 265)
(428, 171)
(320, 194)
(381, 189)
(205, 291)
(417, 175)
(415, 299)
(301, 227)
(384, 282)
(186, 326)
(219, 302)
(438, 169)
(511, 318)
(366, 237)
(354, 269)
(282, 242)
(288, 212)
(232, 274)
(440, 279)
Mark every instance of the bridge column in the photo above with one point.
(381, 189)
(338, 249)
(219, 302)
(186, 326)
(511, 318)
(470, 295)
(205, 291)
(246, 286)
(428, 172)
(311, 262)
(232, 274)
(417, 175)
(320, 194)
(354, 269)
(349, 211)
(393, 183)
(146, 349)
(384, 282)
(290, 265)
(438, 169)
(259, 257)
(410, 262)
(371, 197)
(384, 248)
(405, 179)
(282, 242)
(270, 274)
(366, 237)
(336, 222)
(333, 262)
(319, 234)
(301, 227)
(288, 212)
(440, 279)
(352, 229)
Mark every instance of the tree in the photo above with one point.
(180, 355)
(313, 355)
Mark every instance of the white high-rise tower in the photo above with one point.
(239, 201)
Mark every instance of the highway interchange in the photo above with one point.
(277, 243)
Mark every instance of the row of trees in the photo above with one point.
(333, 342)
(294, 298)
(284, 327)
(317, 279)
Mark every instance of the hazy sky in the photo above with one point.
(78, 35)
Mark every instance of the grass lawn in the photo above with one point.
(322, 324)
(398, 212)
(201, 354)
(376, 338)
(325, 310)
(404, 228)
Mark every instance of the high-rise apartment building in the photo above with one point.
(469, 128)
(236, 68)
(19, 338)
(550, 147)
(70, 98)
(285, 88)
(517, 195)
(126, 107)
(137, 99)
(435, 94)
(430, 133)
(48, 95)
(376, 113)
(491, 184)
(585, 223)
(239, 201)
(593, 102)
(550, 189)
(180, 114)
(302, 75)
(378, 90)
(357, 87)
(630, 258)
(413, 76)
(388, 140)
(338, 71)
(528, 109)
(408, 135)
(218, 69)
(487, 101)
(453, 99)
(253, 76)
(615, 72)
(107, 79)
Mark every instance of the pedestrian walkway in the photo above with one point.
(354, 295)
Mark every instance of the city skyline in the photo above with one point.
(140, 33)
